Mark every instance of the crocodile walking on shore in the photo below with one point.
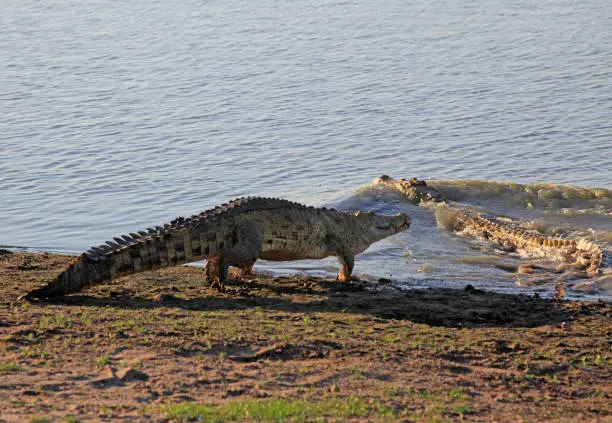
(234, 234)
(579, 254)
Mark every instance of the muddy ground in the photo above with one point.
(162, 346)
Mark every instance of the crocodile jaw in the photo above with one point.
(375, 227)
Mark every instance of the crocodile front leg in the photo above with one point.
(347, 262)
(247, 269)
(215, 272)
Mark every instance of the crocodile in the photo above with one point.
(585, 254)
(233, 234)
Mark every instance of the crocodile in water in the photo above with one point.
(582, 254)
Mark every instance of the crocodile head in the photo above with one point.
(415, 189)
(374, 227)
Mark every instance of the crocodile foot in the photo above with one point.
(218, 285)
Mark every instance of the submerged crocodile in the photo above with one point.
(234, 234)
(584, 254)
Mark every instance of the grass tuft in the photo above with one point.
(278, 410)
(9, 367)
(103, 360)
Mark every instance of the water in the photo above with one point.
(115, 116)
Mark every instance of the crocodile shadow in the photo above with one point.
(437, 307)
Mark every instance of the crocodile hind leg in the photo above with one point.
(247, 269)
(247, 250)
(347, 262)
(215, 272)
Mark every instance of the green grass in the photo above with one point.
(46, 322)
(57, 321)
(357, 374)
(278, 410)
(9, 367)
(457, 395)
(103, 360)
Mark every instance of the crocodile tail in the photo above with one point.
(112, 260)
(79, 273)
(591, 255)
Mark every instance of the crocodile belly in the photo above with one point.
(280, 251)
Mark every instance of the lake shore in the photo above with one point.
(163, 346)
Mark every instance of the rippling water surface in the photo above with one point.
(118, 115)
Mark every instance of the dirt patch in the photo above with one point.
(131, 349)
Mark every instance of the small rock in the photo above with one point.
(259, 393)
(469, 288)
(235, 392)
(107, 377)
(559, 291)
(53, 387)
(166, 298)
(30, 393)
(547, 368)
(182, 398)
(109, 372)
(131, 374)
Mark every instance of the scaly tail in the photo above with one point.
(587, 254)
(80, 273)
(126, 256)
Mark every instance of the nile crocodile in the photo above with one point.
(584, 254)
(233, 234)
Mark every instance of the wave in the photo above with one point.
(566, 200)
